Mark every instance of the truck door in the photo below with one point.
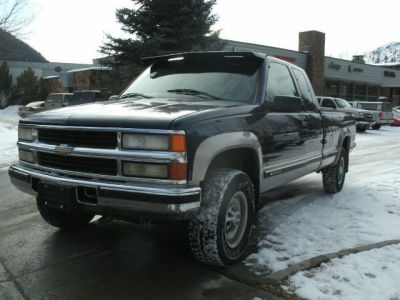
(312, 129)
(283, 147)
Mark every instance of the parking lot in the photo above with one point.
(122, 260)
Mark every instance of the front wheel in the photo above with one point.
(219, 233)
(376, 126)
(333, 176)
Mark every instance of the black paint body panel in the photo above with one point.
(283, 136)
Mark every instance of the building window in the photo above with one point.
(332, 88)
(373, 93)
(346, 91)
(360, 92)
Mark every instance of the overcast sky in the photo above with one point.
(73, 30)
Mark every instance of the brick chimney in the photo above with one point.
(358, 59)
(313, 42)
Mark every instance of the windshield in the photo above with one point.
(342, 103)
(82, 96)
(227, 78)
(54, 98)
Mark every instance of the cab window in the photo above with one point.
(305, 91)
(280, 82)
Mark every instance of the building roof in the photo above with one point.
(91, 69)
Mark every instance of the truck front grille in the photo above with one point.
(79, 138)
(78, 164)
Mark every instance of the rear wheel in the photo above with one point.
(333, 176)
(61, 219)
(376, 126)
(361, 129)
(219, 234)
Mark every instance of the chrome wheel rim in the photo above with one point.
(341, 170)
(236, 219)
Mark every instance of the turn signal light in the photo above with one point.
(177, 143)
(177, 171)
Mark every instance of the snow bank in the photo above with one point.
(8, 135)
(373, 274)
(312, 223)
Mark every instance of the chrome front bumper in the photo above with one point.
(138, 197)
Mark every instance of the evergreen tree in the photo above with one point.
(162, 26)
(27, 87)
(5, 85)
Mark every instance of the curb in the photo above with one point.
(271, 282)
(318, 260)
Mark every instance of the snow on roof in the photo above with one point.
(388, 64)
(91, 69)
(50, 77)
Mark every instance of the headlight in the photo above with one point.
(25, 134)
(157, 142)
(26, 156)
(144, 170)
(145, 142)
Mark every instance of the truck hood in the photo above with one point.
(155, 113)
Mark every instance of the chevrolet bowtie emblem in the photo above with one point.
(64, 149)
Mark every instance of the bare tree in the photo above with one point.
(15, 16)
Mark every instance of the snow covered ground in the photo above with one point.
(373, 274)
(8, 135)
(309, 223)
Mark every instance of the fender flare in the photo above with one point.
(213, 146)
(342, 136)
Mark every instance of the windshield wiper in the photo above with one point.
(193, 93)
(134, 95)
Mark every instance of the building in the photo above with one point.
(351, 80)
(42, 69)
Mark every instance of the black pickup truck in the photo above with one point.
(196, 137)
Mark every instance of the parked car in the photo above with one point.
(113, 97)
(382, 109)
(87, 96)
(31, 108)
(364, 118)
(196, 137)
(57, 100)
(396, 116)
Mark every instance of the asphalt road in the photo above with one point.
(115, 260)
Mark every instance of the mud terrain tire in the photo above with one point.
(333, 176)
(219, 233)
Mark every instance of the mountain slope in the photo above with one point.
(389, 53)
(12, 48)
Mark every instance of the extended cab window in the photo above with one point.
(230, 78)
(280, 82)
(305, 91)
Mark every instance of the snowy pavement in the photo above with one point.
(8, 135)
(309, 223)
